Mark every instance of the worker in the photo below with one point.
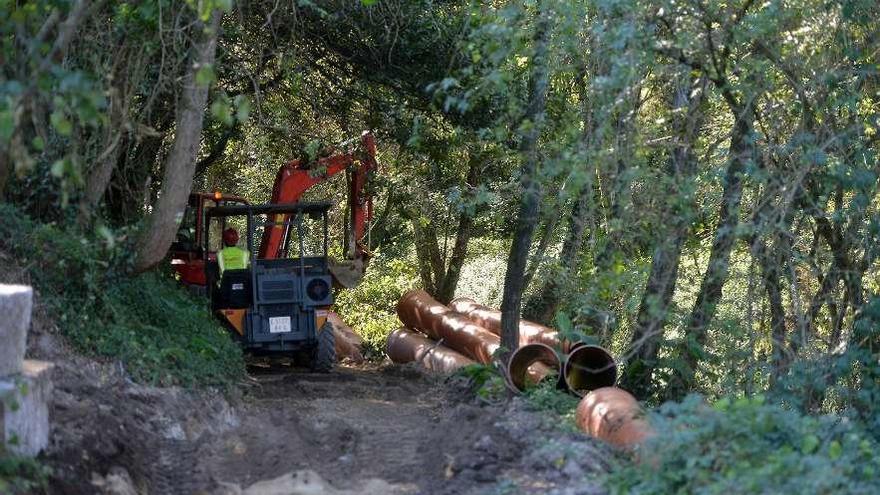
(231, 257)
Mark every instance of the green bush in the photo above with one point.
(485, 381)
(371, 307)
(747, 446)
(546, 397)
(848, 383)
(158, 331)
(20, 475)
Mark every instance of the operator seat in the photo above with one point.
(235, 290)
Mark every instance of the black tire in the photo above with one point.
(324, 356)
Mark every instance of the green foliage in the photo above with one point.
(160, 333)
(546, 397)
(69, 99)
(371, 307)
(744, 445)
(486, 382)
(482, 276)
(643, 100)
(22, 475)
(847, 383)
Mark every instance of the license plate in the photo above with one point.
(279, 324)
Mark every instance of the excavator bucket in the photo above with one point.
(347, 274)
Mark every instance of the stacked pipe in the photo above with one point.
(444, 339)
(529, 332)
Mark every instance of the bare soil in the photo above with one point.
(414, 432)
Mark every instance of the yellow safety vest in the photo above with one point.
(232, 258)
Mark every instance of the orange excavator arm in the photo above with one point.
(296, 177)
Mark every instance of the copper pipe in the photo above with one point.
(529, 332)
(589, 367)
(417, 309)
(406, 346)
(530, 364)
(613, 415)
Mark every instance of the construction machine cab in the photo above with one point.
(190, 249)
(356, 158)
(279, 303)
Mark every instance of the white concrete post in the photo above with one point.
(15, 318)
(25, 385)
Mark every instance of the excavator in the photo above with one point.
(280, 303)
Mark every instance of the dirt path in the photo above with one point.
(373, 429)
(343, 431)
(349, 426)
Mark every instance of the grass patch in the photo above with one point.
(21, 475)
(160, 333)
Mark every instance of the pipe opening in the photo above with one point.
(588, 368)
(532, 364)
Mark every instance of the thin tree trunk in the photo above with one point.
(541, 250)
(654, 305)
(531, 190)
(618, 193)
(180, 164)
(432, 244)
(424, 255)
(771, 262)
(99, 178)
(5, 166)
(618, 179)
(378, 228)
(446, 289)
(712, 286)
(218, 150)
(543, 304)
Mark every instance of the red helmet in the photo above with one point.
(230, 237)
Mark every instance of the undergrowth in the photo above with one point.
(546, 397)
(485, 381)
(21, 475)
(371, 307)
(746, 446)
(159, 333)
(489, 385)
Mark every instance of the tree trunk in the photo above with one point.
(531, 190)
(711, 288)
(446, 288)
(439, 277)
(180, 164)
(5, 165)
(617, 192)
(771, 261)
(424, 255)
(654, 305)
(542, 305)
(99, 178)
(218, 150)
(541, 250)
